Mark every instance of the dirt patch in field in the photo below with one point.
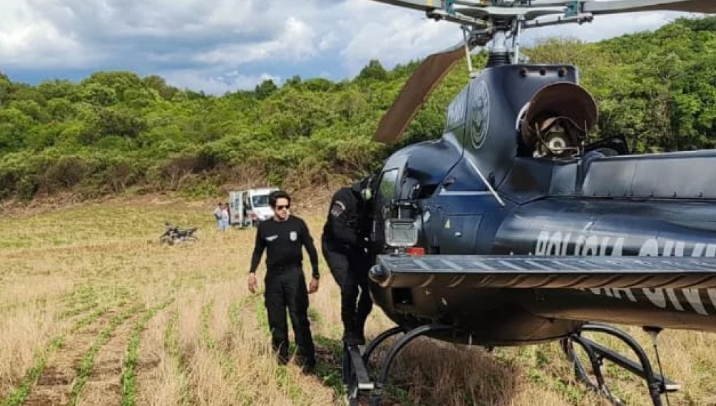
(55, 384)
(104, 386)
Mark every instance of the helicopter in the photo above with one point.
(512, 229)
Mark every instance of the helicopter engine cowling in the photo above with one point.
(556, 121)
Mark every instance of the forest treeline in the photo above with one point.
(115, 131)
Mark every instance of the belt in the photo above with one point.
(283, 268)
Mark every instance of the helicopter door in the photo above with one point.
(387, 191)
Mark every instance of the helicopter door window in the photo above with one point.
(387, 184)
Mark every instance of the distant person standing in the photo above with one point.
(228, 214)
(217, 215)
(282, 237)
(224, 216)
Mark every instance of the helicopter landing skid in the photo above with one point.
(355, 364)
(597, 353)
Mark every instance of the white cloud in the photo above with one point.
(295, 42)
(29, 41)
(392, 35)
(220, 31)
(192, 40)
(215, 83)
(604, 27)
(328, 41)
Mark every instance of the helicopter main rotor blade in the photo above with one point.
(423, 5)
(627, 6)
(415, 93)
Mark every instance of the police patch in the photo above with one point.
(338, 208)
(293, 235)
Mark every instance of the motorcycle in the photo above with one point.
(173, 235)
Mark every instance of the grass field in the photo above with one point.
(93, 311)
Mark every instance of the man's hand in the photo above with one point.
(313, 286)
(252, 283)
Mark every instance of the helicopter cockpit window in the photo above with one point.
(387, 184)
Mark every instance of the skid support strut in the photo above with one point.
(411, 335)
(656, 383)
(356, 371)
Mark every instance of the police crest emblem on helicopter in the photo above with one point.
(480, 113)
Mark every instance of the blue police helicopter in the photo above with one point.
(514, 228)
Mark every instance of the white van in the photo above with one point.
(249, 207)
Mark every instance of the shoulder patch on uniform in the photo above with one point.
(338, 208)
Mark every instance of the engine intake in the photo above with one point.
(556, 121)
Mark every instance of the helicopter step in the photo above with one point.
(355, 373)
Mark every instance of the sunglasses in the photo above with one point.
(281, 207)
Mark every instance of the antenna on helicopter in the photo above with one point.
(516, 40)
(467, 50)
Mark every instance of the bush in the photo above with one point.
(27, 187)
(64, 173)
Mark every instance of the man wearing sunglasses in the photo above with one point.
(283, 237)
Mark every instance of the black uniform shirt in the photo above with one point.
(282, 241)
(346, 222)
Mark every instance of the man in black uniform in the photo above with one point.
(345, 248)
(282, 236)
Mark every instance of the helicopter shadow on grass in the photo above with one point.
(429, 372)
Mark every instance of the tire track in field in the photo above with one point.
(103, 385)
(214, 366)
(158, 378)
(55, 384)
(180, 362)
(131, 363)
(86, 365)
(38, 373)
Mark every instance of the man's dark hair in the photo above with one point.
(278, 194)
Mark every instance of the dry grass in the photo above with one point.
(68, 273)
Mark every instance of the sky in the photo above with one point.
(227, 45)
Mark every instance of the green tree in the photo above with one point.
(373, 71)
(265, 89)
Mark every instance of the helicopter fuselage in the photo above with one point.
(480, 191)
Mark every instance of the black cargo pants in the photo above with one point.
(286, 288)
(350, 270)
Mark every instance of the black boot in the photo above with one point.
(351, 335)
(308, 366)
